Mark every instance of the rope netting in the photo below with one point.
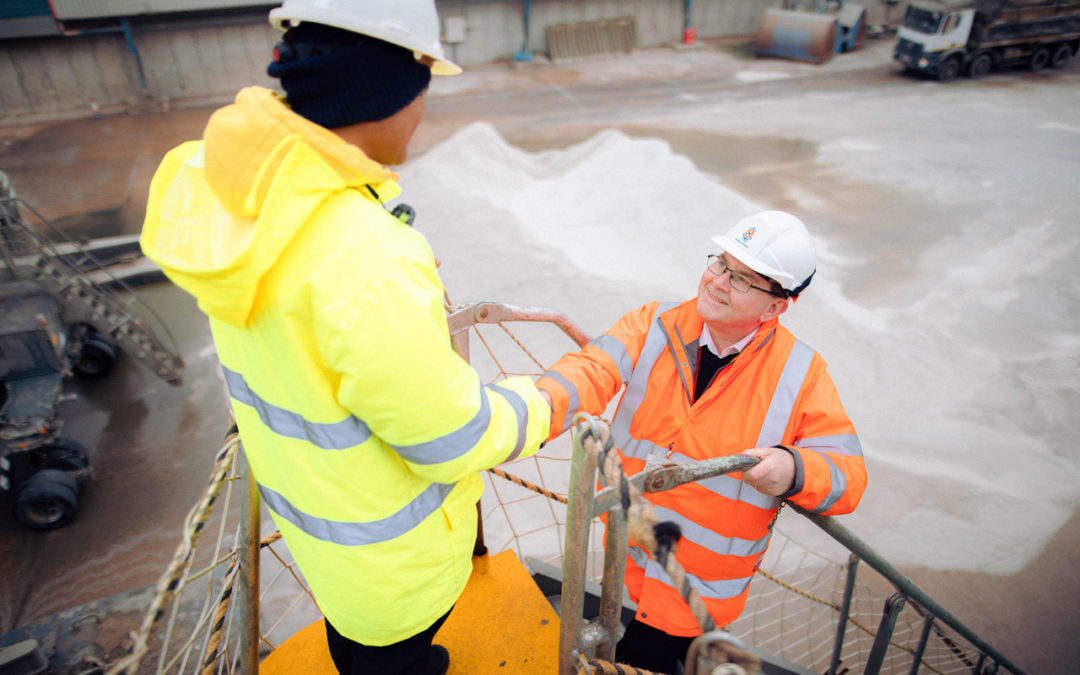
(194, 623)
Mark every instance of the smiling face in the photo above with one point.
(730, 314)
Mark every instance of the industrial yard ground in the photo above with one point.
(946, 304)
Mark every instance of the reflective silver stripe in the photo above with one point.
(721, 589)
(632, 447)
(636, 386)
(353, 533)
(783, 399)
(841, 444)
(342, 435)
(731, 487)
(838, 483)
(454, 444)
(617, 351)
(521, 413)
(706, 538)
(574, 400)
(688, 387)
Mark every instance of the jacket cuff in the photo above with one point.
(799, 473)
(559, 403)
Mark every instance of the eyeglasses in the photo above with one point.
(739, 281)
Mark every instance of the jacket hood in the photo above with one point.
(222, 210)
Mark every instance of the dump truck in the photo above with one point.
(944, 38)
(68, 311)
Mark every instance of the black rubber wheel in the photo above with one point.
(66, 455)
(96, 358)
(1061, 56)
(1039, 59)
(980, 66)
(949, 70)
(48, 500)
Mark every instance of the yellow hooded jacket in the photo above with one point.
(364, 429)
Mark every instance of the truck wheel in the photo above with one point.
(949, 70)
(1061, 56)
(47, 500)
(96, 357)
(66, 455)
(1039, 58)
(980, 66)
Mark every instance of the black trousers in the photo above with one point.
(643, 646)
(401, 658)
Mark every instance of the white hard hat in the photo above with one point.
(775, 245)
(412, 24)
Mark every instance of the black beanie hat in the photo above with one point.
(335, 77)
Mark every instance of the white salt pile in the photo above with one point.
(963, 388)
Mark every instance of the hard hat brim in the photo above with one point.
(444, 67)
(730, 246)
(441, 66)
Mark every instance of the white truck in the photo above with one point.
(944, 38)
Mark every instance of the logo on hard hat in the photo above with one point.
(748, 235)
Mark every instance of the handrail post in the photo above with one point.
(845, 609)
(921, 649)
(248, 552)
(611, 588)
(893, 605)
(579, 506)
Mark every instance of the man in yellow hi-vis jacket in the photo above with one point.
(364, 429)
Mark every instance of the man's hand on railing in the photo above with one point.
(774, 473)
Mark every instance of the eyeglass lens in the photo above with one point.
(738, 281)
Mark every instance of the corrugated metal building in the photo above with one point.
(67, 10)
(23, 18)
(75, 56)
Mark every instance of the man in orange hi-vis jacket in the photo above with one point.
(717, 375)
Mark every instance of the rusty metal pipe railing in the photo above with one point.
(615, 545)
(579, 510)
(671, 476)
(667, 477)
(248, 592)
(583, 504)
(495, 312)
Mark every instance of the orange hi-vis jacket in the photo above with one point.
(775, 392)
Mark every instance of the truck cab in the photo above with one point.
(934, 37)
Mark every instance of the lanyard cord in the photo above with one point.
(402, 212)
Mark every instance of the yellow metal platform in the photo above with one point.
(501, 624)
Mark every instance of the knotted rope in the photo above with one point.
(171, 582)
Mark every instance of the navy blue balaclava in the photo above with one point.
(335, 77)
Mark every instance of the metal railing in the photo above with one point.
(785, 637)
(598, 636)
